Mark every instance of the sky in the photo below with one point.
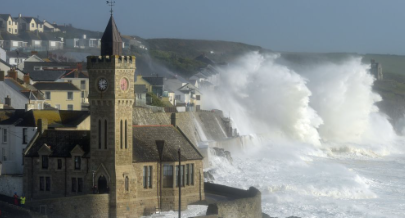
(355, 26)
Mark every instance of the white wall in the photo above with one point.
(10, 185)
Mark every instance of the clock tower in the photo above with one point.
(111, 97)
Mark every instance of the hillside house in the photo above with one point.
(17, 95)
(7, 24)
(153, 84)
(29, 24)
(61, 95)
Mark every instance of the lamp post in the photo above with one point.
(179, 179)
(160, 145)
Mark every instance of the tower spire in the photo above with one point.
(111, 41)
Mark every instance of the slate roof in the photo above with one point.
(154, 80)
(8, 36)
(32, 95)
(15, 55)
(61, 142)
(140, 89)
(4, 16)
(9, 117)
(144, 147)
(56, 86)
(111, 41)
(47, 75)
(71, 74)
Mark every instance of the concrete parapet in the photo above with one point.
(240, 203)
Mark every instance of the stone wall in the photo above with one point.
(244, 203)
(10, 185)
(93, 205)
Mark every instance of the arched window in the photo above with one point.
(99, 134)
(121, 134)
(105, 134)
(126, 183)
(126, 145)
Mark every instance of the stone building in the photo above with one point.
(115, 159)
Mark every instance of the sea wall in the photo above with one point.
(11, 184)
(10, 210)
(96, 205)
(241, 203)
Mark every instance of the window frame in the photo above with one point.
(24, 135)
(70, 107)
(4, 135)
(167, 176)
(71, 97)
(77, 162)
(44, 162)
(47, 95)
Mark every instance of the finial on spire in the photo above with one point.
(111, 4)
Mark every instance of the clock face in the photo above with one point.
(124, 84)
(102, 84)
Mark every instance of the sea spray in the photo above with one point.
(319, 142)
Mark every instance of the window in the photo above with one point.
(78, 163)
(105, 134)
(99, 134)
(22, 155)
(9, 30)
(192, 174)
(48, 95)
(70, 107)
(57, 106)
(4, 135)
(32, 24)
(167, 176)
(45, 183)
(70, 95)
(150, 177)
(79, 185)
(121, 134)
(187, 174)
(48, 183)
(197, 97)
(15, 30)
(53, 44)
(41, 183)
(73, 184)
(3, 152)
(126, 141)
(9, 22)
(83, 94)
(82, 84)
(45, 161)
(59, 164)
(181, 175)
(126, 183)
(37, 42)
(24, 136)
(147, 177)
(178, 97)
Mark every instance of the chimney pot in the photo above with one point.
(2, 75)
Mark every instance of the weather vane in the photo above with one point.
(111, 3)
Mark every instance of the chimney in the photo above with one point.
(27, 79)
(34, 53)
(2, 74)
(7, 100)
(42, 125)
(19, 15)
(29, 107)
(13, 74)
(173, 118)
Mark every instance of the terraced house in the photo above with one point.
(115, 169)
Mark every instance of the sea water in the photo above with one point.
(325, 149)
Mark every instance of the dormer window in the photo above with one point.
(78, 162)
(45, 161)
